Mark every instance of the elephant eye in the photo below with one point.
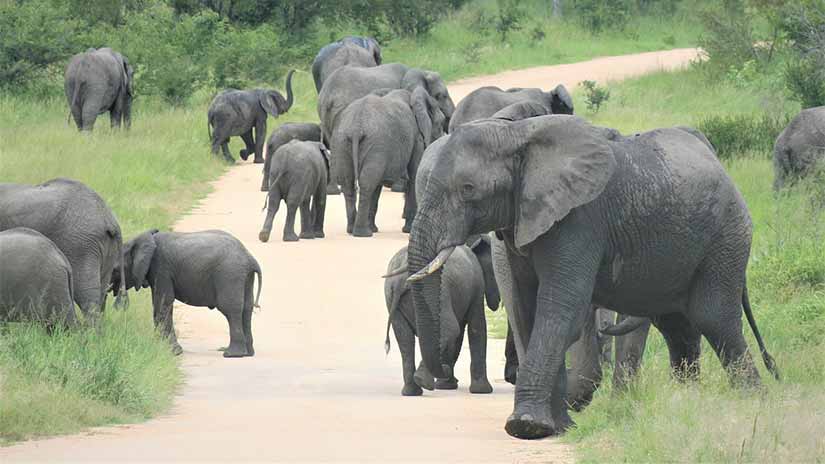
(467, 189)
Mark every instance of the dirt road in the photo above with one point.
(320, 387)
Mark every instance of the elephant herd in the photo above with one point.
(509, 198)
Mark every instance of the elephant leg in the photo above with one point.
(406, 345)
(265, 179)
(319, 206)
(248, 302)
(510, 357)
(585, 373)
(271, 209)
(127, 112)
(477, 336)
(410, 208)
(289, 225)
(87, 289)
(362, 226)
(452, 336)
(237, 340)
(163, 298)
(249, 141)
(684, 344)
(115, 116)
(715, 309)
(89, 117)
(352, 212)
(629, 351)
(306, 220)
(332, 188)
(226, 155)
(374, 209)
(259, 140)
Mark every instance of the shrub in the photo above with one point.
(735, 135)
(594, 95)
(508, 17)
(600, 15)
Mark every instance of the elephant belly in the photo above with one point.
(196, 295)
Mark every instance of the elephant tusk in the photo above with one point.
(395, 272)
(434, 265)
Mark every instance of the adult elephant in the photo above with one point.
(348, 84)
(800, 148)
(649, 226)
(82, 226)
(237, 112)
(99, 81)
(349, 51)
(484, 102)
(380, 139)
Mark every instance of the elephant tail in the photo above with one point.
(257, 271)
(770, 364)
(209, 126)
(76, 91)
(355, 155)
(395, 299)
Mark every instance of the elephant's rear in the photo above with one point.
(800, 148)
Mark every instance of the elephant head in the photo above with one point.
(483, 250)
(560, 100)
(434, 85)
(514, 177)
(273, 102)
(136, 260)
(522, 110)
(429, 118)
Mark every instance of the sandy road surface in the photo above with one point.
(320, 388)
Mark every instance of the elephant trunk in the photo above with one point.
(122, 298)
(624, 327)
(426, 291)
(289, 96)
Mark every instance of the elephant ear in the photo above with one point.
(143, 249)
(272, 102)
(421, 107)
(562, 163)
(324, 154)
(561, 102)
(522, 110)
(127, 73)
(413, 79)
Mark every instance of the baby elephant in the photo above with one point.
(285, 133)
(35, 279)
(466, 281)
(210, 268)
(298, 173)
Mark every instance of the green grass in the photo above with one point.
(660, 420)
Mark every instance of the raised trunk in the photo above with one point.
(426, 292)
(289, 98)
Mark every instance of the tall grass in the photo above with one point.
(661, 420)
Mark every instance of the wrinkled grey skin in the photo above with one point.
(307, 132)
(99, 81)
(209, 269)
(348, 84)
(380, 140)
(82, 226)
(468, 280)
(484, 102)
(36, 283)
(350, 51)
(237, 112)
(648, 226)
(299, 172)
(800, 148)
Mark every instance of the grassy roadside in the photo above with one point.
(660, 420)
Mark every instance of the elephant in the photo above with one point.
(349, 51)
(299, 172)
(468, 281)
(209, 268)
(237, 112)
(800, 148)
(97, 81)
(648, 226)
(82, 226)
(306, 132)
(484, 102)
(36, 283)
(379, 140)
(349, 83)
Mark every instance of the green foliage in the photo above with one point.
(594, 95)
(600, 15)
(508, 17)
(734, 135)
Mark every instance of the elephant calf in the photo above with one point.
(35, 279)
(285, 133)
(210, 268)
(800, 148)
(468, 279)
(298, 173)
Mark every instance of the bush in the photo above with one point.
(600, 15)
(594, 95)
(508, 17)
(735, 135)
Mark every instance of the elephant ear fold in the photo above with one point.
(419, 102)
(143, 250)
(522, 110)
(272, 102)
(563, 162)
(561, 102)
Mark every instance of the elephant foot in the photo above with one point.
(263, 236)
(307, 235)
(411, 390)
(374, 228)
(258, 160)
(406, 229)
(250, 350)
(290, 237)
(333, 190)
(349, 229)
(529, 426)
(399, 186)
(235, 352)
(244, 154)
(265, 185)
(424, 379)
(319, 234)
(176, 349)
(446, 384)
(229, 160)
(357, 232)
(510, 374)
(481, 386)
